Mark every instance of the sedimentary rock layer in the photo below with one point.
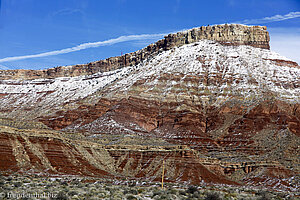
(232, 34)
(49, 152)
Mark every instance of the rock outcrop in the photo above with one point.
(233, 34)
(47, 151)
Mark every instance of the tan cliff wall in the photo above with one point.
(233, 34)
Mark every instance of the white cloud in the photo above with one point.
(176, 6)
(85, 46)
(274, 18)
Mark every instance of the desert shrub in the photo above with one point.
(156, 193)
(33, 185)
(173, 191)
(61, 196)
(263, 195)
(230, 195)
(141, 190)
(281, 196)
(48, 186)
(134, 192)
(197, 195)
(130, 191)
(131, 197)
(1, 182)
(79, 185)
(192, 189)
(1, 179)
(75, 182)
(125, 191)
(163, 197)
(181, 192)
(18, 184)
(212, 196)
(72, 193)
(103, 194)
(24, 198)
(64, 183)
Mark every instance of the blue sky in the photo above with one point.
(32, 27)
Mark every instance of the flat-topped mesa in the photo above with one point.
(233, 34)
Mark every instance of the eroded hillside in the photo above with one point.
(214, 103)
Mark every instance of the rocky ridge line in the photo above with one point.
(233, 34)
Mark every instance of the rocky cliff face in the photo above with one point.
(232, 34)
(45, 150)
(216, 113)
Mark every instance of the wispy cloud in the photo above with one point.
(86, 46)
(176, 6)
(67, 11)
(2, 67)
(274, 18)
(231, 2)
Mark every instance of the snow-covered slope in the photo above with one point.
(242, 71)
(246, 69)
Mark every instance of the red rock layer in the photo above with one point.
(56, 155)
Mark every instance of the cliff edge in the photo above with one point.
(233, 34)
